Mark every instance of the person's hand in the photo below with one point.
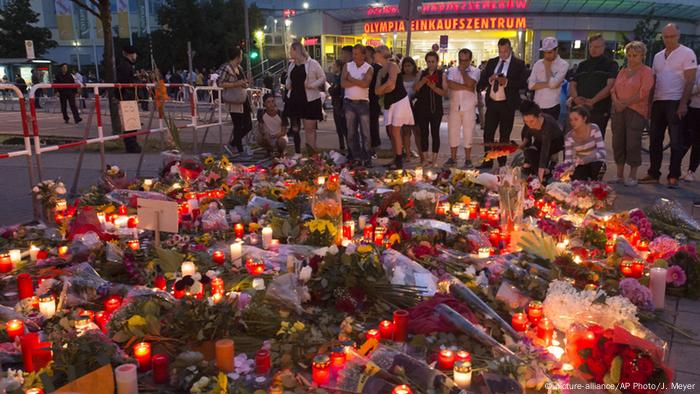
(424, 80)
(578, 100)
(578, 162)
(588, 103)
(493, 78)
(682, 110)
(502, 80)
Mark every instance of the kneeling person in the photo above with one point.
(272, 133)
(542, 138)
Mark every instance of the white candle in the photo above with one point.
(321, 180)
(657, 284)
(462, 374)
(121, 221)
(147, 184)
(484, 253)
(556, 351)
(61, 204)
(236, 252)
(33, 253)
(266, 237)
(127, 379)
(464, 214)
(362, 222)
(15, 257)
(419, 173)
(47, 306)
(259, 284)
(188, 268)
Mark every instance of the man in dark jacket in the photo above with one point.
(126, 73)
(502, 78)
(67, 95)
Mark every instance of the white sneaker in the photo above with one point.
(631, 182)
(689, 176)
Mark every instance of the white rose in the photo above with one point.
(333, 250)
(61, 190)
(305, 273)
(35, 189)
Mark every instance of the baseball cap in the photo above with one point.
(549, 43)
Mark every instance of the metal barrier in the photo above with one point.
(27, 151)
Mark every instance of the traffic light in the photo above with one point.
(254, 54)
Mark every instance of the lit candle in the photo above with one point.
(47, 306)
(456, 208)
(386, 328)
(626, 267)
(609, 246)
(462, 373)
(275, 245)
(14, 329)
(338, 359)
(519, 322)
(473, 209)
(33, 253)
(483, 214)
(373, 334)
(362, 221)
(160, 282)
(657, 284)
(419, 173)
(127, 379)
(379, 233)
(101, 319)
(638, 268)
(400, 325)
(147, 184)
(262, 362)
(556, 351)
(258, 284)
(218, 257)
(484, 252)
(321, 180)
(238, 228)
(534, 311)
(217, 286)
(348, 229)
(236, 252)
(463, 355)
(255, 267)
(643, 246)
(368, 232)
(25, 286)
(121, 221)
(142, 354)
(112, 303)
(266, 237)
(63, 251)
(401, 389)
(5, 263)
(132, 222)
(224, 355)
(545, 330)
(320, 370)
(34, 390)
(134, 244)
(160, 369)
(61, 204)
(82, 323)
(464, 213)
(188, 268)
(446, 359)
(15, 257)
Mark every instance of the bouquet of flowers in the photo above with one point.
(582, 196)
(321, 232)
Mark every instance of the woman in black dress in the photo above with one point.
(428, 107)
(305, 79)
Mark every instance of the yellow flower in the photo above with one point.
(466, 200)
(224, 161)
(395, 238)
(226, 188)
(209, 160)
(299, 326)
(253, 227)
(364, 249)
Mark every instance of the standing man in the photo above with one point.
(674, 69)
(67, 96)
(461, 121)
(338, 94)
(547, 77)
(592, 82)
(503, 77)
(355, 79)
(374, 108)
(126, 73)
(36, 78)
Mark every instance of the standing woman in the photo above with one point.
(231, 76)
(409, 74)
(305, 79)
(429, 93)
(397, 107)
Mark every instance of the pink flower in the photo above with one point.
(637, 293)
(675, 275)
(664, 246)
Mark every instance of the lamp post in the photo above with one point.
(76, 45)
(260, 37)
(287, 24)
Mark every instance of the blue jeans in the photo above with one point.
(357, 113)
(663, 114)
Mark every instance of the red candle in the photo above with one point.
(142, 354)
(446, 359)
(400, 325)
(112, 303)
(14, 329)
(338, 358)
(643, 246)
(440, 210)
(627, 268)
(373, 334)
(238, 229)
(379, 233)
(178, 294)
(262, 362)
(28, 342)
(160, 369)
(5, 263)
(495, 237)
(134, 244)
(463, 355)
(255, 267)
(386, 328)
(217, 286)
(638, 268)
(132, 222)
(545, 330)
(25, 286)
(101, 319)
(218, 257)
(519, 322)
(483, 214)
(34, 390)
(534, 311)
(368, 232)
(609, 246)
(160, 283)
(320, 370)
(122, 210)
(401, 389)
(41, 355)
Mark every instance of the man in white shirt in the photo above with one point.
(692, 128)
(355, 79)
(547, 76)
(461, 120)
(272, 134)
(674, 69)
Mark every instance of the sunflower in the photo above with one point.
(226, 188)
(208, 161)
(224, 161)
(364, 249)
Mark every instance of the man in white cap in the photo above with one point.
(547, 76)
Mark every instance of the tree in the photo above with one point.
(16, 25)
(645, 31)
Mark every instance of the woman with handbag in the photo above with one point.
(305, 79)
(232, 79)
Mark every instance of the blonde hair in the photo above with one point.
(298, 48)
(636, 46)
(384, 50)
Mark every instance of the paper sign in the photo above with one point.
(158, 213)
(29, 46)
(99, 381)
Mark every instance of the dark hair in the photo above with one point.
(408, 59)
(467, 51)
(267, 96)
(370, 49)
(432, 54)
(503, 41)
(361, 47)
(234, 52)
(584, 112)
(595, 37)
(347, 48)
(339, 63)
(528, 107)
(62, 64)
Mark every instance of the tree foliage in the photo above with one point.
(212, 26)
(17, 21)
(646, 31)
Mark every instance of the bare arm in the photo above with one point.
(438, 90)
(605, 92)
(689, 76)
(390, 84)
(345, 81)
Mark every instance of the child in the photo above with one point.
(271, 128)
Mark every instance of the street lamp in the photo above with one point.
(76, 45)
(305, 5)
(260, 37)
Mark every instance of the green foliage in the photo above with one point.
(197, 320)
(17, 23)
(139, 319)
(646, 31)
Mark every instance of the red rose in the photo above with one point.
(314, 262)
(645, 365)
(628, 354)
(597, 368)
(610, 351)
(600, 193)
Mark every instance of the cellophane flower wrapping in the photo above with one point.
(511, 192)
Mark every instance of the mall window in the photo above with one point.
(578, 49)
(564, 49)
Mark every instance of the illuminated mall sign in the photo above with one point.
(486, 23)
(454, 7)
